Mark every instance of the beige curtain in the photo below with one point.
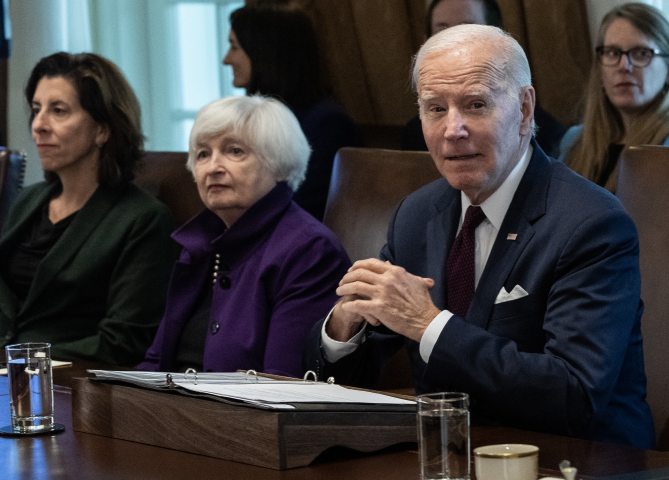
(556, 39)
(369, 44)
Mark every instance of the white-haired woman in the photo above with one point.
(256, 271)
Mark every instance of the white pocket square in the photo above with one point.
(515, 294)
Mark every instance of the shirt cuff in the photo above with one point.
(334, 350)
(431, 334)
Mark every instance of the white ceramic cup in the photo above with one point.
(507, 462)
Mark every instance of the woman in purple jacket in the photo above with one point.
(256, 271)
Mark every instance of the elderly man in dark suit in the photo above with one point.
(512, 278)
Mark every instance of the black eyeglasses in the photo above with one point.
(639, 56)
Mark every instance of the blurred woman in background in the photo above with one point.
(627, 102)
(274, 52)
(85, 255)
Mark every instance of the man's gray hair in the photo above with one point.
(512, 60)
(265, 125)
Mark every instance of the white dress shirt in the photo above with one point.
(495, 208)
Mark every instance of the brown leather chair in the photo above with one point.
(643, 188)
(366, 186)
(12, 172)
(164, 175)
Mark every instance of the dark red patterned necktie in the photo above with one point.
(460, 268)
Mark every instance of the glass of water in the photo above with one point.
(30, 387)
(443, 435)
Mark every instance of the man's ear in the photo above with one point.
(527, 102)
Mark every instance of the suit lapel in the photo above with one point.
(72, 240)
(441, 231)
(11, 236)
(9, 305)
(528, 205)
(502, 259)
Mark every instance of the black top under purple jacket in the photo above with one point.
(327, 128)
(278, 271)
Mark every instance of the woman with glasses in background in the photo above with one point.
(627, 102)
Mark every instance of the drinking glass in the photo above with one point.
(443, 435)
(30, 387)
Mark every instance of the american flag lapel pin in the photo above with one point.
(512, 236)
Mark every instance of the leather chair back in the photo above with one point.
(164, 175)
(366, 186)
(643, 188)
(12, 172)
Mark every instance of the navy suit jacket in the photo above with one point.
(565, 359)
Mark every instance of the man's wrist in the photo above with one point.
(333, 349)
(432, 333)
(338, 329)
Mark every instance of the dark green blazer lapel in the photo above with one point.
(86, 221)
(21, 215)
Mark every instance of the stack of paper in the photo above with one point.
(255, 390)
(280, 394)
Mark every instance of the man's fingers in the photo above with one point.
(372, 320)
(366, 308)
(357, 289)
(372, 271)
(360, 275)
(361, 279)
(372, 264)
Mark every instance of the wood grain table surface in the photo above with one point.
(77, 455)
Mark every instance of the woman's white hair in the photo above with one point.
(265, 125)
(513, 61)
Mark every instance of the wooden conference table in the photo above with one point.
(82, 456)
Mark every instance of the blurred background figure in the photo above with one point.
(274, 52)
(626, 100)
(86, 255)
(442, 14)
(256, 271)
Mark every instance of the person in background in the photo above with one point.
(442, 14)
(85, 255)
(274, 51)
(256, 271)
(626, 101)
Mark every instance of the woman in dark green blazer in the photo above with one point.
(85, 256)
